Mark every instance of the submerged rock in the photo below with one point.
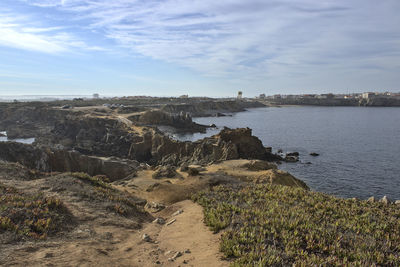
(291, 158)
(314, 154)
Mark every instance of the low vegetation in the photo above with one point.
(273, 225)
(30, 216)
(122, 203)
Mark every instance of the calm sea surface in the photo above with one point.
(359, 147)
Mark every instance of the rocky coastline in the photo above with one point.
(372, 102)
(104, 178)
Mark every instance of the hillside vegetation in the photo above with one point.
(29, 216)
(273, 225)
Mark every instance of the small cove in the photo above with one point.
(359, 147)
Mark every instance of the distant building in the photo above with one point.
(368, 95)
(96, 96)
(240, 95)
(308, 96)
(262, 96)
(184, 96)
(277, 96)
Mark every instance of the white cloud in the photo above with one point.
(21, 32)
(254, 39)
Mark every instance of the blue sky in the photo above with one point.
(199, 47)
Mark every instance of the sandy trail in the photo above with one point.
(99, 241)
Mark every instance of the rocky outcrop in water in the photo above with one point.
(228, 144)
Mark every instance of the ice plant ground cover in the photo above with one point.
(271, 225)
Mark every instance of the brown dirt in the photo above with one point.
(105, 239)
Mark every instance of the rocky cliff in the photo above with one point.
(182, 121)
(47, 160)
(211, 108)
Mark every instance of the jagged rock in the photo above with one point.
(164, 171)
(268, 149)
(259, 165)
(314, 154)
(293, 154)
(177, 212)
(210, 108)
(280, 177)
(47, 160)
(291, 158)
(146, 238)
(159, 220)
(177, 254)
(371, 199)
(171, 221)
(397, 202)
(154, 206)
(181, 121)
(385, 200)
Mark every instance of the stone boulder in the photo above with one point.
(259, 165)
(164, 172)
(280, 177)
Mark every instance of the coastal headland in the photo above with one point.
(102, 184)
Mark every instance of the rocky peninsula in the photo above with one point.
(102, 185)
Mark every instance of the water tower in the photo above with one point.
(240, 95)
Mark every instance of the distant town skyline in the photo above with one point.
(199, 48)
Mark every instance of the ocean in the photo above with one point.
(359, 147)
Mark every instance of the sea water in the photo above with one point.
(359, 147)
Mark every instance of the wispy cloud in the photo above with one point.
(254, 39)
(23, 32)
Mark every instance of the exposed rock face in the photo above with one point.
(385, 200)
(228, 144)
(211, 108)
(181, 122)
(28, 121)
(280, 177)
(66, 161)
(259, 165)
(99, 136)
(164, 172)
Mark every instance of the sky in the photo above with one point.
(198, 47)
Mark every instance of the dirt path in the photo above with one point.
(188, 233)
(101, 241)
